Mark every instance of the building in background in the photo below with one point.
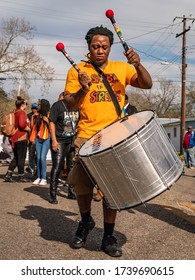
(172, 128)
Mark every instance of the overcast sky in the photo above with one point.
(147, 26)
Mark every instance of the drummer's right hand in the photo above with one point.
(84, 80)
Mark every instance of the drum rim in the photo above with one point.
(119, 120)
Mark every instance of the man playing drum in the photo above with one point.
(85, 90)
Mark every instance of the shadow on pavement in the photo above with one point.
(187, 175)
(56, 225)
(169, 214)
(43, 192)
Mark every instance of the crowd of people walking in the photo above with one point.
(46, 128)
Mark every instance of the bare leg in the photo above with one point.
(84, 202)
(109, 214)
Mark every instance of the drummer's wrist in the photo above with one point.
(83, 91)
(138, 65)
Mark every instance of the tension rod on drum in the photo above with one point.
(151, 159)
(129, 177)
(90, 159)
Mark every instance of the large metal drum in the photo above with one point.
(131, 160)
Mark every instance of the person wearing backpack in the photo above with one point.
(19, 141)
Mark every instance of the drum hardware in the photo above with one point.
(129, 177)
(151, 159)
(134, 161)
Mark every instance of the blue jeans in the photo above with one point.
(189, 156)
(42, 148)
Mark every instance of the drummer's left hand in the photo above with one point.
(132, 57)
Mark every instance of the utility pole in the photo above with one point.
(19, 85)
(183, 79)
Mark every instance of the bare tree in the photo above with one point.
(20, 61)
(190, 100)
(163, 101)
(137, 99)
(167, 96)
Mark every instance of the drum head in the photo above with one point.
(115, 133)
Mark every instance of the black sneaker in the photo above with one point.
(110, 246)
(82, 233)
(9, 180)
(23, 179)
(8, 177)
(29, 170)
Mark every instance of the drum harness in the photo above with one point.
(109, 88)
(107, 85)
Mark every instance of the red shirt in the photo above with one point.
(21, 122)
(186, 141)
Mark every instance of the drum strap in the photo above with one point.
(109, 88)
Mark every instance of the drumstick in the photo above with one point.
(110, 15)
(60, 48)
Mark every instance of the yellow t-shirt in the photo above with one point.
(97, 109)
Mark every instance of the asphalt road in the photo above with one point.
(33, 229)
